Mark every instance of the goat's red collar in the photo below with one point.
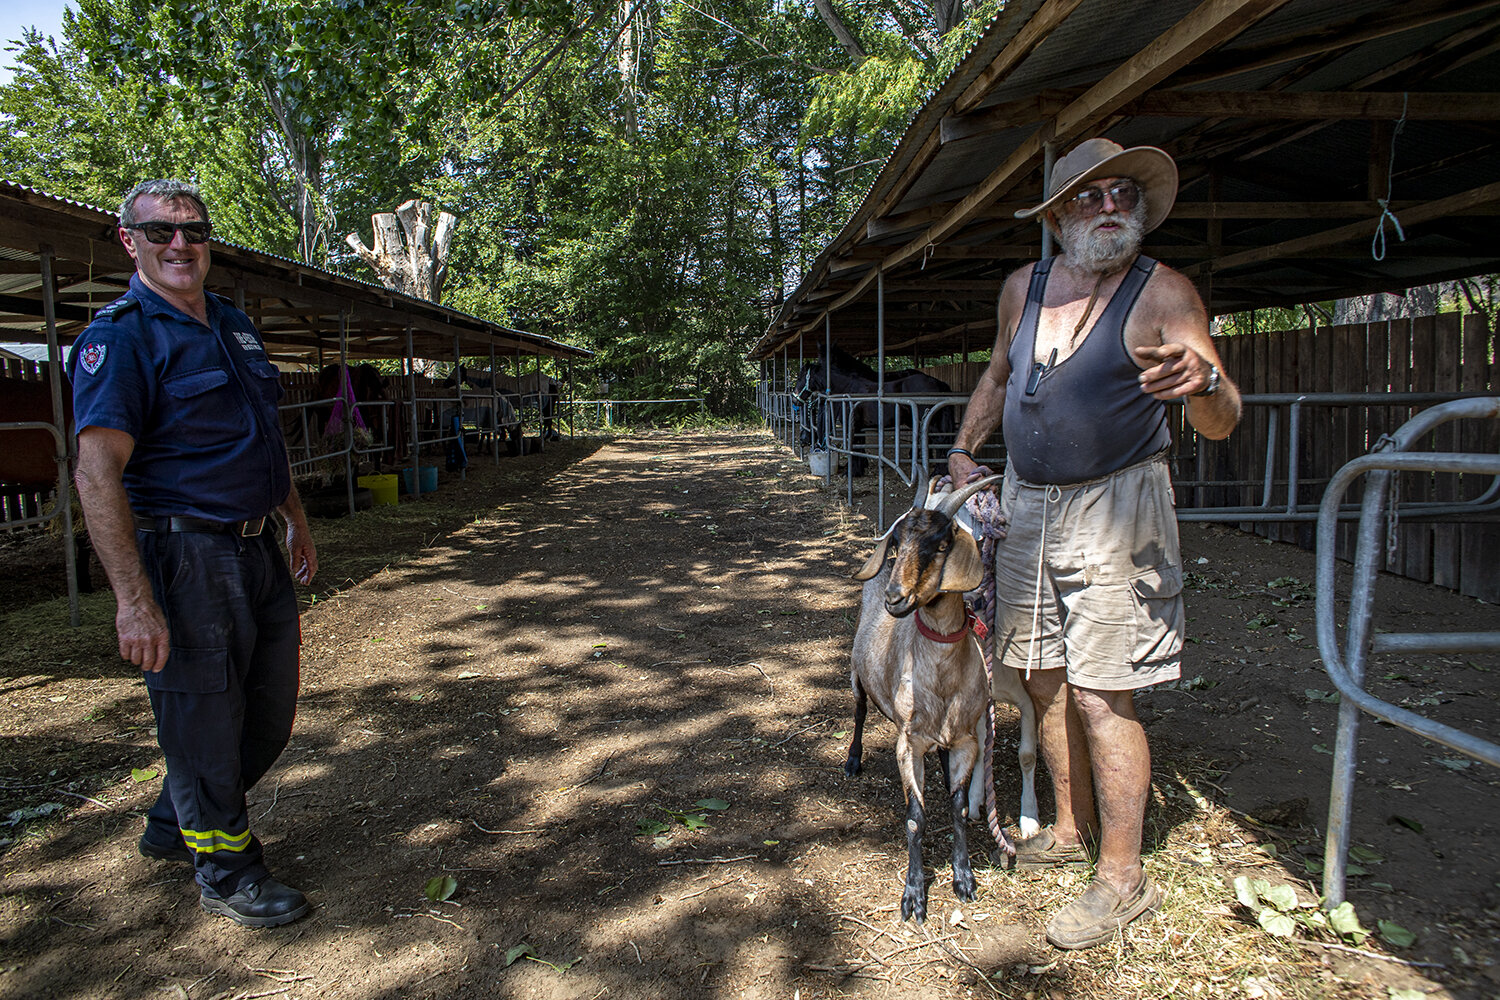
(952, 637)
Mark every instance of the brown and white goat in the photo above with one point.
(916, 658)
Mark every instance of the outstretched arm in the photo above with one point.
(1180, 365)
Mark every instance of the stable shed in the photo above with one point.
(61, 261)
(297, 307)
(1295, 124)
(1326, 150)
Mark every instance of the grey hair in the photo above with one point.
(166, 190)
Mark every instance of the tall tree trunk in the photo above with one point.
(306, 161)
(947, 15)
(628, 61)
(840, 31)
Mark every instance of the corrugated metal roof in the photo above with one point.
(1237, 159)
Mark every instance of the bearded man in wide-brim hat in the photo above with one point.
(1092, 346)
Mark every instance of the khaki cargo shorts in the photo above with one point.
(1089, 578)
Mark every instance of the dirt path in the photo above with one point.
(542, 705)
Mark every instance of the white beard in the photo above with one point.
(1103, 253)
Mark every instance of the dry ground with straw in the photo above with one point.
(535, 683)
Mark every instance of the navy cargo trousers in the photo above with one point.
(225, 700)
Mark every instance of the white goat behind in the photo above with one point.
(1005, 682)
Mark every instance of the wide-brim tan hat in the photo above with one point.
(1151, 168)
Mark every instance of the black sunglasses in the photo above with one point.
(1090, 201)
(164, 232)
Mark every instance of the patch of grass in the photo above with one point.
(42, 641)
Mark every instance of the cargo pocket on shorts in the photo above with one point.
(201, 670)
(1157, 595)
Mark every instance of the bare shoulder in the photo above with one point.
(1168, 310)
(1016, 284)
(1013, 299)
(1170, 292)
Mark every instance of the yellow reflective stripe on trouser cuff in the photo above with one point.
(206, 841)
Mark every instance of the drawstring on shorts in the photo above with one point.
(1050, 495)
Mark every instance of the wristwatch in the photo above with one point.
(1213, 382)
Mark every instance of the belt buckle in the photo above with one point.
(245, 530)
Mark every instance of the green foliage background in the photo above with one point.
(643, 177)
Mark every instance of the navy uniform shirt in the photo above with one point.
(199, 401)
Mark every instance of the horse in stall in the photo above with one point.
(542, 388)
(339, 391)
(28, 459)
(850, 376)
(494, 412)
(524, 391)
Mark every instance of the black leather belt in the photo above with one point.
(181, 522)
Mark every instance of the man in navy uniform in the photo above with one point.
(1088, 583)
(180, 463)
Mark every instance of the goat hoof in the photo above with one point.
(851, 767)
(914, 906)
(965, 888)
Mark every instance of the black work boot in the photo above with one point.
(266, 903)
(164, 852)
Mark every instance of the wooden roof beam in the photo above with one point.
(1417, 67)
(1465, 201)
(1208, 26)
(1259, 104)
(1034, 32)
(1318, 105)
(1362, 27)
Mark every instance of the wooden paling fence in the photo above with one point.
(1449, 352)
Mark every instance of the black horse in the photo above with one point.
(848, 375)
(531, 390)
(491, 421)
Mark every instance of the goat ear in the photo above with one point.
(963, 570)
(876, 561)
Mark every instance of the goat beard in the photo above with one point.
(1094, 252)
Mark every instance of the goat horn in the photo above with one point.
(924, 490)
(953, 501)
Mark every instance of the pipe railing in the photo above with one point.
(1279, 497)
(1289, 448)
(1346, 665)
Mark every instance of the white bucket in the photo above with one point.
(820, 463)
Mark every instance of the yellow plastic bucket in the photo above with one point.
(383, 488)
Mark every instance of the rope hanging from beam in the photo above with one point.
(1377, 242)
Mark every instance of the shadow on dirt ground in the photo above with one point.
(606, 695)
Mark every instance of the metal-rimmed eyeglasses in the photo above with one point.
(158, 231)
(1090, 201)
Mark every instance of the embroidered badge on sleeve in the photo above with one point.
(92, 358)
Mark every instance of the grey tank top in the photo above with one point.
(1086, 416)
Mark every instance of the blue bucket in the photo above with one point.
(428, 479)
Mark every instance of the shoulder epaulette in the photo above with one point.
(118, 308)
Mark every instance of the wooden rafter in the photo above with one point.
(1212, 23)
(1356, 30)
(1036, 30)
(1486, 194)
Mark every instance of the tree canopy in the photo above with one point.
(643, 177)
